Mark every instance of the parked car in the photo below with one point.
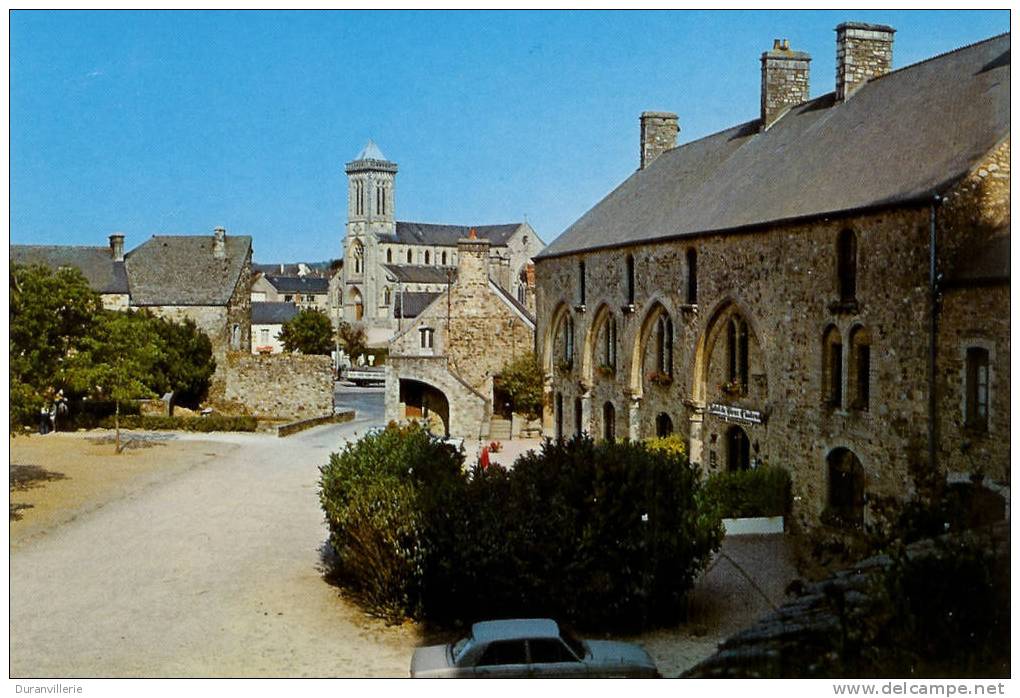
(535, 647)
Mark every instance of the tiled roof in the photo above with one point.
(899, 139)
(448, 235)
(181, 270)
(96, 263)
(272, 313)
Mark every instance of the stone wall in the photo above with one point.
(279, 386)
(783, 283)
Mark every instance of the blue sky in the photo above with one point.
(176, 122)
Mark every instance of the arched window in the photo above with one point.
(664, 345)
(630, 279)
(738, 449)
(846, 488)
(386, 296)
(692, 276)
(558, 414)
(578, 417)
(737, 356)
(568, 340)
(357, 252)
(859, 369)
(444, 258)
(832, 367)
(663, 425)
(609, 343)
(846, 265)
(522, 294)
(410, 257)
(976, 389)
(389, 255)
(580, 283)
(609, 422)
(427, 259)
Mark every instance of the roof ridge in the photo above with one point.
(939, 55)
(459, 225)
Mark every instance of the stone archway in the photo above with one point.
(427, 404)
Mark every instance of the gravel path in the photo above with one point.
(213, 572)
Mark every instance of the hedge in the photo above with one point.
(202, 424)
(763, 491)
(604, 536)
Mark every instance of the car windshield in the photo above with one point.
(575, 644)
(458, 648)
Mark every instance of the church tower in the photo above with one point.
(371, 180)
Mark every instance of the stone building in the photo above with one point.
(442, 363)
(386, 258)
(824, 288)
(206, 278)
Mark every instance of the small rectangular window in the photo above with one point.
(581, 283)
(426, 336)
(977, 389)
(863, 377)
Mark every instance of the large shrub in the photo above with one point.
(746, 493)
(606, 536)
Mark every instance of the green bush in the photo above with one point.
(605, 536)
(200, 424)
(748, 493)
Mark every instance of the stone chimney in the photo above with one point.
(472, 260)
(219, 245)
(784, 80)
(658, 134)
(863, 52)
(117, 247)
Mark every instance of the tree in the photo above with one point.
(308, 332)
(186, 363)
(51, 314)
(521, 379)
(352, 339)
(116, 360)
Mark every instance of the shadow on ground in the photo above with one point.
(25, 477)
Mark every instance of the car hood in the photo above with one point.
(608, 652)
(434, 658)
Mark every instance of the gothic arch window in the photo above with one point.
(846, 265)
(609, 343)
(578, 417)
(358, 253)
(387, 297)
(630, 279)
(664, 345)
(558, 414)
(692, 276)
(846, 487)
(976, 389)
(737, 353)
(410, 257)
(738, 449)
(389, 256)
(428, 258)
(663, 425)
(859, 369)
(609, 422)
(444, 258)
(832, 367)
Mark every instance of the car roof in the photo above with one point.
(514, 629)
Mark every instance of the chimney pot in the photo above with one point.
(117, 247)
(658, 134)
(220, 242)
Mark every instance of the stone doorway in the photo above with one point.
(426, 404)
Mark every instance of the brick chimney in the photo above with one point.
(863, 52)
(472, 260)
(117, 247)
(658, 134)
(784, 80)
(219, 245)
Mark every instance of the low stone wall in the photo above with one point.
(295, 427)
(279, 386)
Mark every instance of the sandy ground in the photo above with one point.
(200, 555)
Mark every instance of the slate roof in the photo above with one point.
(410, 304)
(298, 284)
(447, 235)
(419, 274)
(510, 300)
(272, 313)
(96, 263)
(181, 270)
(370, 152)
(293, 269)
(899, 139)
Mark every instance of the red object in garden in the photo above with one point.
(485, 457)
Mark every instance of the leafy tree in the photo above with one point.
(308, 332)
(352, 339)
(116, 360)
(186, 363)
(51, 313)
(521, 379)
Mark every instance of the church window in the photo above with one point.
(580, 282)
(737, 353)
(846, 265)
(859, 368)
(387, 297)
(630, 279)
(976, 417)
(444, 258)
(521, 294)
(664, 345)
(389, 256)
(738, 449)
(358, 258)
(568, 340)
(832, 368)
(692, 276)
(609, 422)
(427, 257)
(609, 347)
(410, 258)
